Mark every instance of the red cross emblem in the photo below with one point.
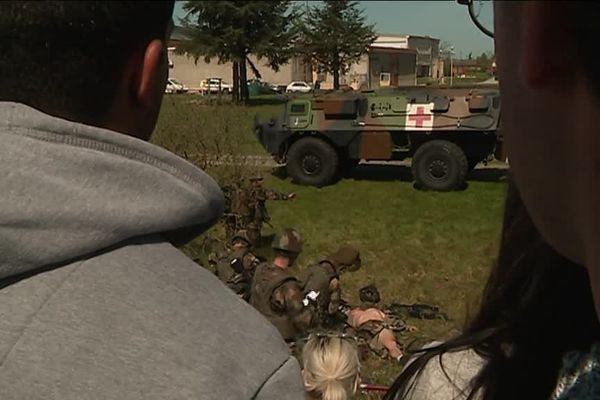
(420, 117)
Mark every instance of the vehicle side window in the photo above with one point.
(298, 109)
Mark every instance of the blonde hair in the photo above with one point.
(331, 367)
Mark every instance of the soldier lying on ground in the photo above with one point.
(321, 283)
(277, 294)
(377, 329)
(322, 292)
(236, 268)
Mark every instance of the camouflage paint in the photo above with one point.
(375, 127)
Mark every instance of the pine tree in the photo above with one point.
(335, 35)
(232, 30)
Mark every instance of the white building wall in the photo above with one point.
(395, 42)
(191, 74)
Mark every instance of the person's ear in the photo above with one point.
(545, 36)
(151, 79)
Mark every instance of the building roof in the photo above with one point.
(403, 35)
(392, 50)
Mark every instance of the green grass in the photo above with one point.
(193, 123)
(416, 246)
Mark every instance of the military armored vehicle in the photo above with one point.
(446, 132)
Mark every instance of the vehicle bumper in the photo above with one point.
(271, 135)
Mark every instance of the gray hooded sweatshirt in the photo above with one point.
(95, 300)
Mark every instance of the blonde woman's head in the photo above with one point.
(331, 367)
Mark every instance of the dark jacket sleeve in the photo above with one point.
(284, 384)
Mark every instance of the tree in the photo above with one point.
(232, 30)
(484, 61)
(446, 51)
(470, 56)
(335, 35)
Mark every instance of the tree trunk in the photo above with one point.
(336, 70)
(235, 94)
(243, 80)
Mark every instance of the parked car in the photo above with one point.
(214, 86)
(258, 87)
(275, 87)
(174, 86)
(298, 87)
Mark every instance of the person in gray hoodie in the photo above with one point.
(96, 302)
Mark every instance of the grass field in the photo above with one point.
(416, 246)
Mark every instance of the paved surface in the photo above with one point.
(490, 81)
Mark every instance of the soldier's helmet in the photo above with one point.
(240, 236)
(369, 294)
(289, 240)
(346, 257)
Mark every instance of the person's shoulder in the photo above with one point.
(152, 319)
(447, 377)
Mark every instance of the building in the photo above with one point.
(427, 48)
(187, 71)
(473, 67)
(393, 60)
(381, 67)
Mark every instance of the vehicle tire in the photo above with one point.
(312, 161)
(439, 165)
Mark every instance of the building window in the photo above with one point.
(385, 77)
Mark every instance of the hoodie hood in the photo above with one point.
(68, 190)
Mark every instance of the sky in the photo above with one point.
(445, 20)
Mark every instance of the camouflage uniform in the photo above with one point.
(332, 314)
(238, 212)
(236, 269)
(321, 281)
(278, 295)
(258, 213)
(368, 332)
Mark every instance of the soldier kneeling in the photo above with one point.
(236, 269)
(277, 294)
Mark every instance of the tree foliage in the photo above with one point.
(334, 36)
(232, 30)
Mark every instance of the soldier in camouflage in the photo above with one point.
(237, 267)
(321, 283)
(277, 294)
(321, 287)
(238, 211)
(258, 213)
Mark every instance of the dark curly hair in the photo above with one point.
(69, 55)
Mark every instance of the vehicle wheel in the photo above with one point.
(312, 161)
(440, 165)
